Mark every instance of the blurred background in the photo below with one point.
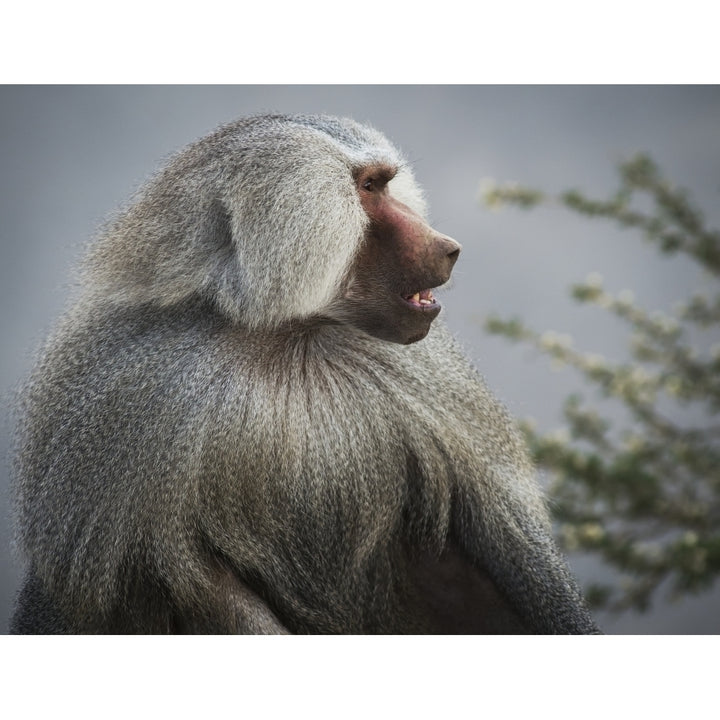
(70, 155)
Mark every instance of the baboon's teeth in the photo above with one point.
(424, 297)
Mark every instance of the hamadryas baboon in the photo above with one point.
(250, 420)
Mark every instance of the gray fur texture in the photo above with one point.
(206, 445)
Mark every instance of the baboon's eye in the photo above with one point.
(376, 179)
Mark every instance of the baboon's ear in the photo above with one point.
(223, 280)
(216, 228)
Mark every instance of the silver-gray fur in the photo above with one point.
(207, 446)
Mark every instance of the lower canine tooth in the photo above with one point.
(416, 297)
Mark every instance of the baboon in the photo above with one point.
(250, 420)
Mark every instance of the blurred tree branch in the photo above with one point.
(646, 496)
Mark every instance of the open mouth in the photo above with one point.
(423, 300)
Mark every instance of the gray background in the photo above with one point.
(70, 155)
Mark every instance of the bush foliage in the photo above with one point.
(643, 494)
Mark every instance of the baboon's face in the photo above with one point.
(401, 261)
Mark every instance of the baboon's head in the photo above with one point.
(279, 219)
